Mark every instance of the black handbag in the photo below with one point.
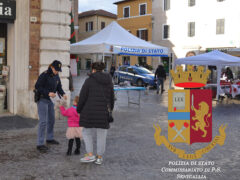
(110, 116)
(37, 95)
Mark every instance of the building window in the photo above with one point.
(126, 12)
(166, 30)
(142, 9)
(102, 25)
(126, 60)
(143, 34)
(89, 26)
(166, 5)
(142, 61)
(191, 29)
(220, 24)
(191, 3)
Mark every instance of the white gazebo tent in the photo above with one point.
(213, 58)
(114, 39)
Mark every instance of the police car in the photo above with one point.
(137, 75)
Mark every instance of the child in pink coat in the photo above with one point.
(73, 130)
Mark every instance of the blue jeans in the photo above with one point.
(160, 81)
(46, 115)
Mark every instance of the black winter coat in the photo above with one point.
(92, 105)
(160, 72)
(48, 82)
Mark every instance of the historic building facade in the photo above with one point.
(196, 26)
(90, 23)
(136, 17)
(29, 41)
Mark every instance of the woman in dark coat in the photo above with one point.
(96, 94)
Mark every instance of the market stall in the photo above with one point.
(114, 39)
(214, 58)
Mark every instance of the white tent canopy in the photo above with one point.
(114, 39)
(213, 58)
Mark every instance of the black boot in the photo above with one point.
(70, 144)
(78, 145)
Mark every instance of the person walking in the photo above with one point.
(96, 94)
(229, 74)
(48, 84)
(160, 76)
(112, 70)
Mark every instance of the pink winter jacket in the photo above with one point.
(71, 113)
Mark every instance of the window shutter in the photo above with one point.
(91, 25)
(165, 5)
(193, 29)
(137, 33)
(168, 4)
(166, 31)
(126, 12)
(86, 27)
(191, 3)
(189, 29)
(220, 26)
(102, 25)
(143, 9)
(146, 35)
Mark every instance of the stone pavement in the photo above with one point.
(131, 152)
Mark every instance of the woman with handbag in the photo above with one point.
(96, 102)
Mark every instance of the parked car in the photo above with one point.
(137, 75)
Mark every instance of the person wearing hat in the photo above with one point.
(48, 85)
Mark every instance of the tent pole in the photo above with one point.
(170, 81)
(169, 68)
(117, 60)
(218, 80)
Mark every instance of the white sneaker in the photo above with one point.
(88, 159)
(99, 161)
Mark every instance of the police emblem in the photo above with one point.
(190, 114)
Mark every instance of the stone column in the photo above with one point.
(55, 34)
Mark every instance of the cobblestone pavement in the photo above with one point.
(131, 151)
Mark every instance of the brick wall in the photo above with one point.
(34, 52)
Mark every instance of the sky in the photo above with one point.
(107, 5)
